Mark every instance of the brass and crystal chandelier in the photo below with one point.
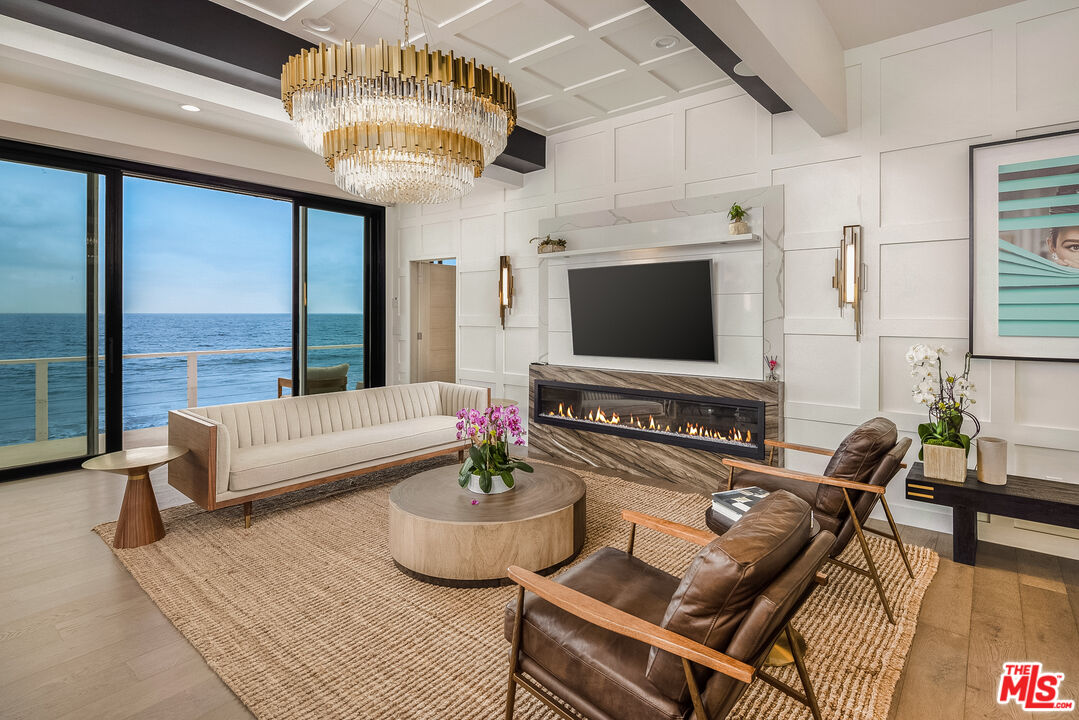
(397, 123)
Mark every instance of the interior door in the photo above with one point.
(434, 322)
(50, 374)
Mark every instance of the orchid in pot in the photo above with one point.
(488, 469)
(948, 397)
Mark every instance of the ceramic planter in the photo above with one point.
(739, 228)
(544, 249)
(945, 463)
(497, 485)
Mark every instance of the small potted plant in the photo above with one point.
(488, 469)
(948, 399)
(549, 244)
(737, 215)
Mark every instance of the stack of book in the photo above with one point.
(733, 504)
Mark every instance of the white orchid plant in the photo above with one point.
(947, 396)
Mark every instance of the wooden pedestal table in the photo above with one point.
(140, 521)
(437, 535)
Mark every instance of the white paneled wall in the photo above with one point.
(915, 104)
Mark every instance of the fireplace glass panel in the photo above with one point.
(726, 425)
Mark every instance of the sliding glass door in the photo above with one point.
(51, 376)
(128, 290)
(207, 297)
(333, 320)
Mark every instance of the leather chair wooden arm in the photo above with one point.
(805, 477)
(811, 449)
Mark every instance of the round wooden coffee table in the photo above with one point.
(140, 521)
(437, 535)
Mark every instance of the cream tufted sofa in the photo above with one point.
(247, 451)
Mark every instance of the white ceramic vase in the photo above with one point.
(739, 228)
(497, 485)
(992, 460)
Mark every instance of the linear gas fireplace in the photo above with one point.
(731, 426)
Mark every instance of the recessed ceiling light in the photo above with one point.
(190, 108)
(744, 70)
(665, 42)
(319, 24)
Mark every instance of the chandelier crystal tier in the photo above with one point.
(399, 124)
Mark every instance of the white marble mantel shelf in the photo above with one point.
(726, 240)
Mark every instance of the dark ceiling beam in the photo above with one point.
(210, 40)
(697, 32)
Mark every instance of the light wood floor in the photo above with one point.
(80, 639)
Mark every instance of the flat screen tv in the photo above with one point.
(661, 311)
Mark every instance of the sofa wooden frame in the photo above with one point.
(618, 621)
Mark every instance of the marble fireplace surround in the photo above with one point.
(687, 468)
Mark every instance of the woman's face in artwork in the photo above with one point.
(1064, 246)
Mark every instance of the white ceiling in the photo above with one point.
(570, 61)
(861, 22)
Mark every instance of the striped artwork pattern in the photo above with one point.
(1038, 294)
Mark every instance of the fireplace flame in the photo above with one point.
(690, 429)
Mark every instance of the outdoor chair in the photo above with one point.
(319, 380)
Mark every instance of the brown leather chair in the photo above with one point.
(617, 639)
(856, 477)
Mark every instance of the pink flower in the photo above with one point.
(475, 502)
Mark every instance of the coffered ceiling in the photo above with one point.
(570, 61)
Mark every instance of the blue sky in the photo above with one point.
(186, 249)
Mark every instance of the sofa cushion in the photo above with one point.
(258, 465)
(855, 459)
(597, 671)
(724, 580)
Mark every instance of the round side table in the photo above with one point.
(140, 520)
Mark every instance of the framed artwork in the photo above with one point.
(1024, 248)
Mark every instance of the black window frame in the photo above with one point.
(114, 170)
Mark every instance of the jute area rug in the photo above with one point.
(305, 616)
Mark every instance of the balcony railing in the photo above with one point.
(41, 374)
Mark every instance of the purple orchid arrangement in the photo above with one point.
(490, 432)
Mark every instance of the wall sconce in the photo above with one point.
(505, 287)
(849, 279)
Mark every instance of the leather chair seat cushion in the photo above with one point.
(259, 465)
(725, 578)
(589, 667)
(855, 459)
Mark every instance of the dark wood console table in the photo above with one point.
(1054, 503)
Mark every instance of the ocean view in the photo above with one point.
(153, 386)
